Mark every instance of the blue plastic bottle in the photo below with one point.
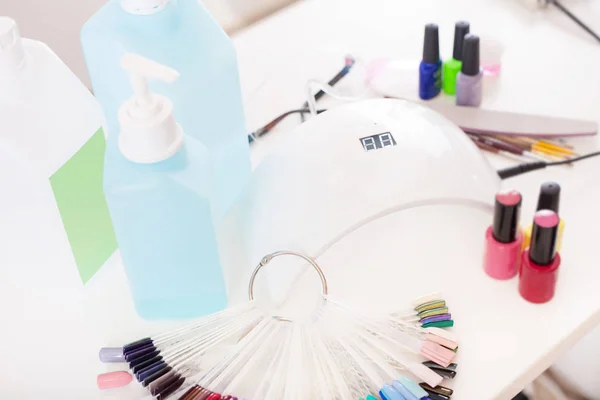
(157, 183)
(207, 99)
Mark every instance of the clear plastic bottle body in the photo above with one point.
(163, 221)
(207, 98)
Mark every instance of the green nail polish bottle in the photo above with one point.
(453, 65)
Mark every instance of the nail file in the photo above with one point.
(396, 79)
(480, 120)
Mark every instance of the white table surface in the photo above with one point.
(550, 68)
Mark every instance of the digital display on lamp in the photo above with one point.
(378, 141)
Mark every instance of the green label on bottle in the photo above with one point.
(79, 194)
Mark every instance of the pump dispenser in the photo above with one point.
(149, 132)
(158, 183)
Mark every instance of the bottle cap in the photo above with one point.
(149, 132)
(431, 44)
(543, 237)
(461, 29)
(143, 7)
(470, 57)
(549, 197)
(12, 54)
(506, 216)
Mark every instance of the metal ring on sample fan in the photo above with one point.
(266, 259)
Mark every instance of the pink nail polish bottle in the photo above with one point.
(503, 240)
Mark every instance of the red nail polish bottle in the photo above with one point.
(540, 264)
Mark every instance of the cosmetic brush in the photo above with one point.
(537, 147)
(560, 142)
(528, 144)
(502, 153)
(503, 146)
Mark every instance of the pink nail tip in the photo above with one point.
(439, 350)
(435, 358)
(442, 341)
(112, 380)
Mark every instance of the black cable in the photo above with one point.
(575, 19)
(349, 63)
(570, 160)
(534, 166)
(267, 128)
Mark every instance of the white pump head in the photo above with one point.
(143, 7)
(12, 55)
(149, 132)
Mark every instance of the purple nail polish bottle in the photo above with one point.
(469, 79)
(430, 69)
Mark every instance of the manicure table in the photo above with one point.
(549, 68)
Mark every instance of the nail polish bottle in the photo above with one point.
(453, 66)
(539, 272)
(549, 200)
(469, 79)
(504, 239)
(430, 70)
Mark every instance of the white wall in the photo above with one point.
(57, 22)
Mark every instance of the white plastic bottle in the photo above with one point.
(53, 214)
(55, 230)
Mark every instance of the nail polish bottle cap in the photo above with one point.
(549, 197)
(431, 44)
(506, 216)
(460, 30)
(543, 237)
(470, 58)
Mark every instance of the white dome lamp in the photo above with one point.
(345, 168)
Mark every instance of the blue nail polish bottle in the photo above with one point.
(430, 70)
